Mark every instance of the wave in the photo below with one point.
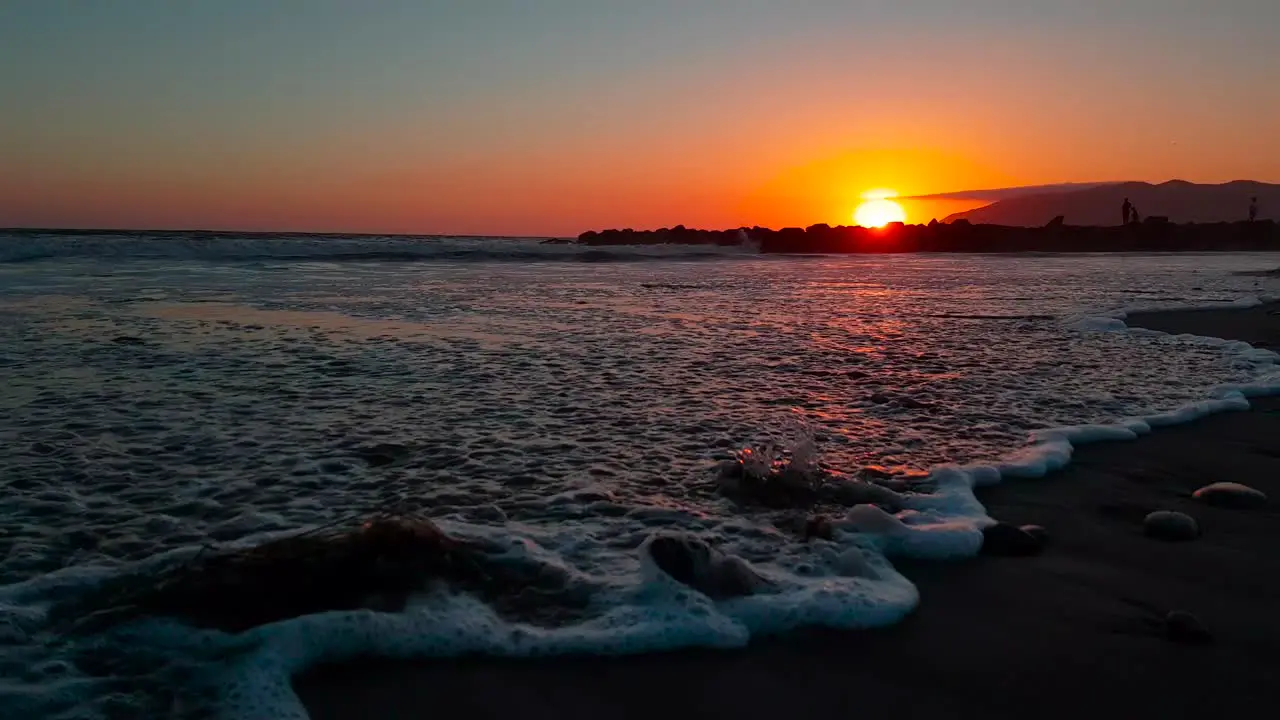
(845, 583)
(27, 248)
(659, 614)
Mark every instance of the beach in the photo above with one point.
(1076, 629)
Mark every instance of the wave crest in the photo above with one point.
(35, 247)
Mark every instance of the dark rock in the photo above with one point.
(818, 527)
(1037, 532)
(681, 557)
(1005, 540)
(1181, 626)
(778, 488)
(1171, 526)
(691, 561)
(379, 564)
(1231, 495)
(729, 472)
(959, 234)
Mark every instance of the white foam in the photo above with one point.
(654, 615)
(953, 506)
(845, 583)
(659, 614)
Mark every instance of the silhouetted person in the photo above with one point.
(1253, 209)
(1126, 209)
(1136, 218)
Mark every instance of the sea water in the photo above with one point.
(164, 393)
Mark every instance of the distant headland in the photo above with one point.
(1177, 200)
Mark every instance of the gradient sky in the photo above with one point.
(555, 116)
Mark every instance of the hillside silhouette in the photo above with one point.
(1178, 200)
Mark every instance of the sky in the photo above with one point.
(515, 117)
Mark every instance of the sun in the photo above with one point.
(878, 209)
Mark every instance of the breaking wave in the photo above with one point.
(35, 247)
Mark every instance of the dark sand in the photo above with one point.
(1258, 326)
(1050, 636)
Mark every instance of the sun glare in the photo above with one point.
(879, 210)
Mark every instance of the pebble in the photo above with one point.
(1181, 626)
(818, 527)
(691, 561)
(1231, 495)
(1170, 525)
(1005, 540)
(1036, 531)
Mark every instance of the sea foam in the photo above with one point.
(480, 382)
(660, 614)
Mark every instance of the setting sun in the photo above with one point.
(879, 210)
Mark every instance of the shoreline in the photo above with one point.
(1054, 635)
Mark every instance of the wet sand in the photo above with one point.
(1055, 635)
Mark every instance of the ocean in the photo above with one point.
(165, 393)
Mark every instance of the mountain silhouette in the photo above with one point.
(1008, 193)
(1178, 200)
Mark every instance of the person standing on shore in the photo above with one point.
(1133, 213)
(1126, 209)
(1253, 209)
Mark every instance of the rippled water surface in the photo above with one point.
(158, 402)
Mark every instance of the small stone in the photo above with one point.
(818, 527)
(691, 561)
(1231, 495)
(1181, 626)
(1037, 532)
(1171, 526)
(1005, 540)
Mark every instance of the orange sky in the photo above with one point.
(425, 119)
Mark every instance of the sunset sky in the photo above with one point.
(557, 116)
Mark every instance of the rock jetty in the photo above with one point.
(1154, 234)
